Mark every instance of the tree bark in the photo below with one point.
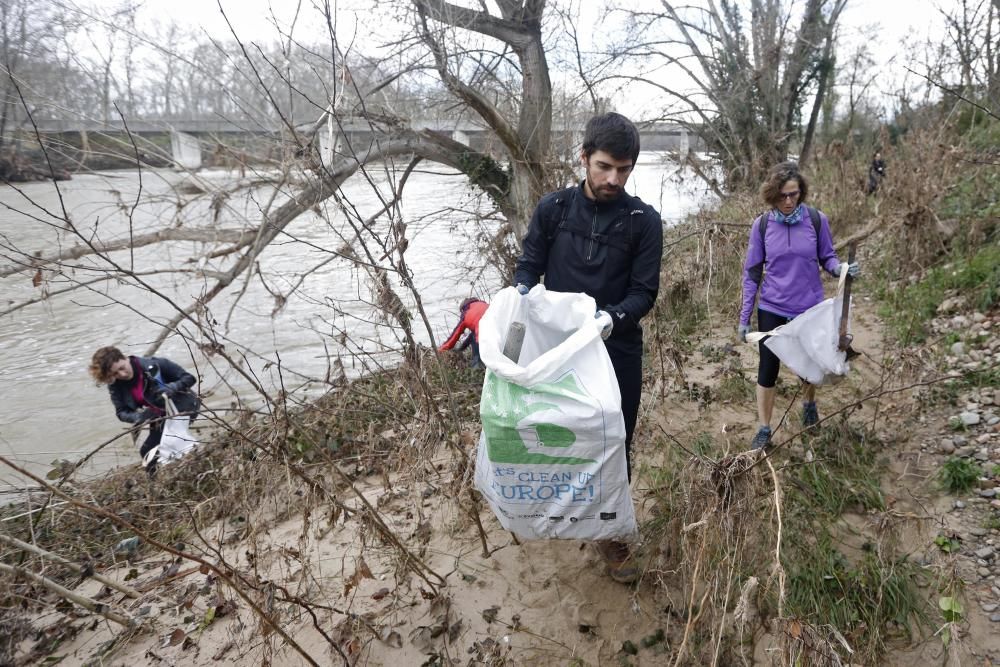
(826, 66)
(528, 142)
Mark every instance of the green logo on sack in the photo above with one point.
(505, 404)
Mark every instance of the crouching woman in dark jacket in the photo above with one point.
(137, 386)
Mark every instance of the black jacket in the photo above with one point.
(156, 371)
(610, 251)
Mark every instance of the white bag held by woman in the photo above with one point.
(809, 344)
(176, 440)
(551, 458)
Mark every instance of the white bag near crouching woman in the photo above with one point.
(176, 440)
(810, 343)
(551, 458)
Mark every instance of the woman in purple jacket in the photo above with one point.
(788, 246)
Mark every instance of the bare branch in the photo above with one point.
(237, 236)
(477, 21)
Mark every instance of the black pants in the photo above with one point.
(153, 439)
(628, 371)
(476, 362)
(767, 371)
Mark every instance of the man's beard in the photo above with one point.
(604, 193)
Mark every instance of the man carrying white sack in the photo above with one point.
(597, 239)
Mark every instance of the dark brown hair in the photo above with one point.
(101, 362)
(614, 134)
(770, 190)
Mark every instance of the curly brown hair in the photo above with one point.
(770, 190)
(101, 362)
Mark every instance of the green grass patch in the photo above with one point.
(952, 338)
(844, 474)
(977, 379)
(870, 595)
(703, 444)
(864, 600)
(735, 387)
(958, 475)
(950, 391)
(908, 311)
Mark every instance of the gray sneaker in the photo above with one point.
(810, 415)
(762, 439)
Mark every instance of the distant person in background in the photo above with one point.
(789, 244)
(470, 312)
(137, 386)
(876, 172)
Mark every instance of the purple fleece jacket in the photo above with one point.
(791, 284)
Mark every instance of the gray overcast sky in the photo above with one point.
(897, 19)
(899, 24)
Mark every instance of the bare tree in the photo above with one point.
(506, 87)
(28, 34)
(518, 30)
(972, 27)
(750, 79)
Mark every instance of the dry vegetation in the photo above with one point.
(738, 547)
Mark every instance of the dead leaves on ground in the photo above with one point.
(362, 571)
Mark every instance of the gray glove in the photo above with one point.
(743, 330)
(522, 289)
(853, 270)
(609, 324)
(144, 415)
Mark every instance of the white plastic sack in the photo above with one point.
(176, 440)
(809, 344)
(551, 457)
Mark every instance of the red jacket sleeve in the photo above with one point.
(455, 335)
(470, 320)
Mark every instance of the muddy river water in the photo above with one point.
(50, 409)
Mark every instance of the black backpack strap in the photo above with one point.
(613, 237)
(555, 218)
(632, 245)
(762, 228)
(817, 224)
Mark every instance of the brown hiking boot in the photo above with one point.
(621, 566)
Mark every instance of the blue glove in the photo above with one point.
(608, 325)
(853, 270)
(522, 289)
(743, 330)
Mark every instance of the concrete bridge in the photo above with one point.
(191, 139)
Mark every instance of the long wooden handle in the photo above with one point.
(845, 339)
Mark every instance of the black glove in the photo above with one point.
(144, 415)
(171, 389)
